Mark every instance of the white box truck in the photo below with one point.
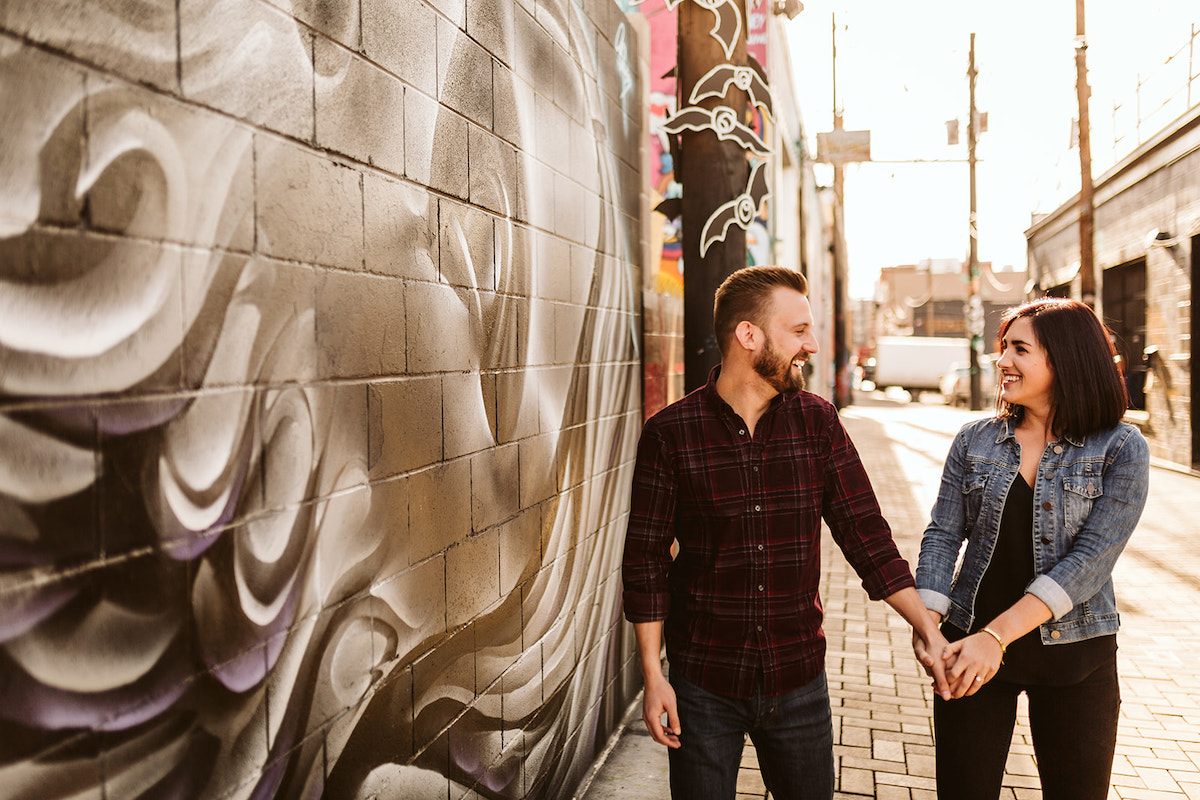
(916, 363)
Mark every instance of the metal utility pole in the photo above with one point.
(1091, 280)
(712, 172)
(974, 304)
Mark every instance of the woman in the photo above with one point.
(1046, 494)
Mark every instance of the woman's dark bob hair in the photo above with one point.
(1088, 392)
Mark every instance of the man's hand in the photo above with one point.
(928, 642)
(659, 699)
(929, 646)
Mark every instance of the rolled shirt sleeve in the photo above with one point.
(647, 557)
(856, 522)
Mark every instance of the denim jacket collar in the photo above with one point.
(1008, 430)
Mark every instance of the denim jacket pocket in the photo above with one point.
(1079, 492)
(974, 480)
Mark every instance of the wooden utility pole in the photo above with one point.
(841, 384)
(1091, 280)
(712, 172)
(974, 310)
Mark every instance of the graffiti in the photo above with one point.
(740, 211)
(723, 121)
(313, 433)
(727, 21)
(715, 83)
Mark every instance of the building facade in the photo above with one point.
(320, 385)
(1147, 243)
(929, 299)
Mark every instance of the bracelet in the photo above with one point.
(999, 641)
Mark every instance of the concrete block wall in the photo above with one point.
(320, 385)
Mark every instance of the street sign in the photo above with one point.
(842, 147)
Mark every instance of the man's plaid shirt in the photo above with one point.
(740, 599)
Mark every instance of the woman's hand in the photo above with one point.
(971, 662)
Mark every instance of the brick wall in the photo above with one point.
(319, 390)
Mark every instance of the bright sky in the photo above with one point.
(902, 73)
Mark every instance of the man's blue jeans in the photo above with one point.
(792, 733)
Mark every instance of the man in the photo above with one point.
(740, 473)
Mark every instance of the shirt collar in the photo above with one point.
(718, 402)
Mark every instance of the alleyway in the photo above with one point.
(882, 726)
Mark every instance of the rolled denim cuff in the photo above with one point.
(935, 601)
(1056, 599)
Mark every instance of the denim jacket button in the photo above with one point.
(1055, 634)
(1047, 539)
(1058, 449)
(1046, 506)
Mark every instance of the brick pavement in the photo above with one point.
(881, 699)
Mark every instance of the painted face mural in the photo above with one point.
(312, 458)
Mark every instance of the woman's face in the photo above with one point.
(1026, 378)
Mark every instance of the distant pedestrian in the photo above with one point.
(740, 473)
(1045, 495)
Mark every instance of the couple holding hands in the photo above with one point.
(1012, 593)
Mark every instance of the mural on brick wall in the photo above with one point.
(318, 391)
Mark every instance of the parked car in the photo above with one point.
(956, 383)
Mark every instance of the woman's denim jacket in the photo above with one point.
(1087, 498)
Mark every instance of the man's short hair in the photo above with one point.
(746, 296)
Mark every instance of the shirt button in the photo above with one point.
(760, 547)
(1047, 505)
(760, 628)
(756, 469)
(742, 432)
(1055, 634)
(1058, 449)
(758, 508)
(760, 587)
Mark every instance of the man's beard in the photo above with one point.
(777, 370)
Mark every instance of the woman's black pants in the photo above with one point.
(1074, 732)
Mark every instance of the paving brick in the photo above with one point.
(857, 781)
(899, 779)
(1156, 778)
(750, 781)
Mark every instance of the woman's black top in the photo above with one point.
(1010, 571)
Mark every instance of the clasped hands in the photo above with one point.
(959, 669)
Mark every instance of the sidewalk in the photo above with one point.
(881, 700)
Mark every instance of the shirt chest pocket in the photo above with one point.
(1080, 492)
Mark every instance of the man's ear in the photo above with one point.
(748, 335)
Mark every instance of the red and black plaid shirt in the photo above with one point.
(741, 598)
